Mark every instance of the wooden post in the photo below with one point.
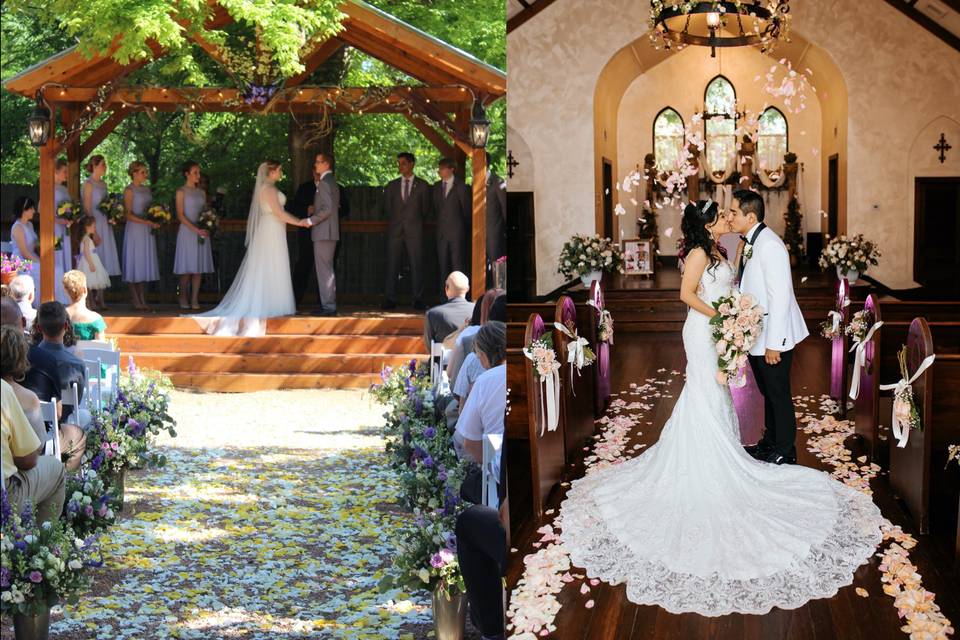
(68, 116)
(479, 234)
(48, 159)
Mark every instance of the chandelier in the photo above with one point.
(719, 24)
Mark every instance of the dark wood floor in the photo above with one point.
(847, 616)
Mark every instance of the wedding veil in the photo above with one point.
(253, 218)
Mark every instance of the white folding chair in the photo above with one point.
(103, 345)
(106, 383)
(94, 386)
(436, 356)
(70, 396)
(48, 412)
(492, 444)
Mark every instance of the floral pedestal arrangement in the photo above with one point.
(588, 257)
(32, 626)
(850, 256)
(449, 614)
(10, 266)
(588, 278)
(852, 275)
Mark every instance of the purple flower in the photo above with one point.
(36, 577)
(20, 544)
(427, 461)
(4, 577)
(429, 432)
(436, 561)
(450, 540)
(442, 476)
(5, 509)
(89, 511)
(131, 367)
(135, 429)
(413, 366)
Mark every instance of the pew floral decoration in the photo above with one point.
(832, 327)
(604, 323)
(905, 414)
(579, 353)
(736, 326)
(861, 330)
(546, 368)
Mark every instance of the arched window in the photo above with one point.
(772, 139)
(668, 139)
(720, 124)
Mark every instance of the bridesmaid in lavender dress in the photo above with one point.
(194, 255)
(24, 239)
(139, 244)
(64, 257)
(95, 190)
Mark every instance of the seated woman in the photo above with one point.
(87, 324)
(483, 413)
(13, 368)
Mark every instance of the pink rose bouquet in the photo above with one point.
(736, 327)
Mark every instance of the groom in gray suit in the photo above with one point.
(325, 232)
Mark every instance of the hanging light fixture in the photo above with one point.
(677, 23)
(479, 126)
(38, 124)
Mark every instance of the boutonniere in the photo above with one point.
(747, 251)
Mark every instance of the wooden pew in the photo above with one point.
(839, 373)
(917, 472)
(576, 399)
(945, 334)
(602, 349)
(867, 405)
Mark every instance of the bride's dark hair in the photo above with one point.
(696, 217)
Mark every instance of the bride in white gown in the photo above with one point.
(263, 287)
(695, 524)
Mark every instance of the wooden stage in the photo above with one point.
(298, 352)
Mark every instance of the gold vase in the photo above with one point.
(449, 615)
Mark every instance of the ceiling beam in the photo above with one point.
(317, 57)
(432, 135)
(98, 136)
(528, 12)
(926, 22)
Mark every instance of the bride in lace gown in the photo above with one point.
(263, 287)
(695, 524)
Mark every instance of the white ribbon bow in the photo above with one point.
(837, 318)
(902, 432)
(575, 353)
(860, 359)
(606, 318)
(550, 409)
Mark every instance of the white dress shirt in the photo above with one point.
(484, 410)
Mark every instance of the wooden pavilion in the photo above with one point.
(81, 90)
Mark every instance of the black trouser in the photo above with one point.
(482, 552)
(304, 271)
(779, 419)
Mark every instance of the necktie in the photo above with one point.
(443, 189)
(406, 189)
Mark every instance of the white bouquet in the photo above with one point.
(849, 254)
(584, 254)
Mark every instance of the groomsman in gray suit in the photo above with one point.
(496, 220)
(451, 201)
(406, 202)
(325, 232)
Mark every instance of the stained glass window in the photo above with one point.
(772, 139)
(668, 138)
(720, 123)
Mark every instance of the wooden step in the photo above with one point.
(274, 363)
(243, 382)
(285, 344)
(297, 325)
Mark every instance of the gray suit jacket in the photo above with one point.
(410, 214)
(326, 210)
(443, 320)
(496, 217)
(453, 210)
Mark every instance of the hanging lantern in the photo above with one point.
(719, 24)
(479, 126)
(38, 124)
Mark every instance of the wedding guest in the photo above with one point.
(27, 476)
(10, 314)
(87, 324)
(23, 293)
(52, 366)
(462, 343)
(325, 232)
(446, 318)
(94, 191)
(483, 412)
(482, 554)
(304, 271)
(139, 240)
(23, 236)
(64, 260)
(194, 255)
(405, 204)
(89, 262)
(472, 368)
(14, 365)
(496, 218)
(452, 204)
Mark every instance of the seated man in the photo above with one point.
(23, 293)
(485, 408)
(443, 320)
(27, 476)
(52, 366)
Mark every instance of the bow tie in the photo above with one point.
(744, 238)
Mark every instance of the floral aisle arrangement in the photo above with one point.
(11, 265)
(89, 508)
(906, 416)
(736, 326)
(590, 256)
(850, 256)
(113, 208)
(209, 221)
(42, 564)
(861, 330)
(430, 473)
(159, 214)
(859, 325)
(832, 327)
(546, 369)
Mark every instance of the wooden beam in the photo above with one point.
(68, 117)
(531, 10)
(926, 22)
(398, 58)
(48, 159)
(426, 107)
(432, 135)
(479, 232)
(314, 59)
(103, 131)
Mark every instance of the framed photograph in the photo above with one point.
(638, 256)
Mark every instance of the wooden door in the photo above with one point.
(833, 195)
(936, 236)
(607, 199)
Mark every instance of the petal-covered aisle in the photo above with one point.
(271, 519)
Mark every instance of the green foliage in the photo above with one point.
(793, 230)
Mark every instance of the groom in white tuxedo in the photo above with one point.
(764, 272)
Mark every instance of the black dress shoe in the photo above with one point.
(328, 313)
(388, 304)
(779, 458)
(419, 306)
(760, 451)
